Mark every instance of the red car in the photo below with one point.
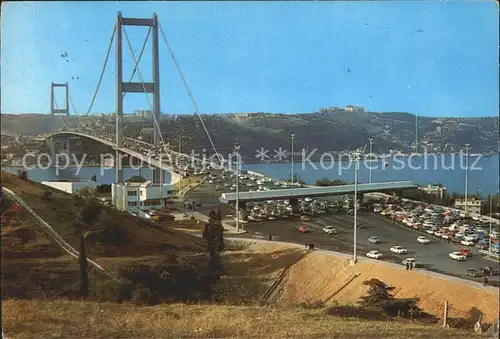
(303, 229)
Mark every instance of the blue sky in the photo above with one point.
(268, 56)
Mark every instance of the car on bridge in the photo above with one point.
(329, 230)
(374, 240)
(398, 250)
(374, 255)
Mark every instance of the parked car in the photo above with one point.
(457, 256)
(467, 243)
(416, 264)
(473, 272)
(329, 230)
(398, 250)
(374, 240)
(374, 255)
(303, 229)
(423, 240)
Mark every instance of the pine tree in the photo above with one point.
(84, 277)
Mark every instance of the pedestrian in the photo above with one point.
(270, 236)
(485, 281)
(411, 265)
(306, 244)
(407, 265)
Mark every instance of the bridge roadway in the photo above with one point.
(280, 194)
(125, 150)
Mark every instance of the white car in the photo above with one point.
(457, 256)
(467, 243)
(374, 255)
(329, 230)
(398, 250)
(423, 240)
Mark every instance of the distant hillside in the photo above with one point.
(327, 130)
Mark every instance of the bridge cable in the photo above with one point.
(139, 58)
(60, 118)
(103, 69)
(147, 96)
(186, 86)
(78, 116)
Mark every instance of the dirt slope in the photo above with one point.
(62, 210)
(319, 276)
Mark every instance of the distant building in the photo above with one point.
(436, 190)
(473, 205)
(351, 108)
(144, 114)
(139, 197)
(70, 186)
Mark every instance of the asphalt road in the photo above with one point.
(433, 256)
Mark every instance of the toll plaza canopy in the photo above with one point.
(282, 194)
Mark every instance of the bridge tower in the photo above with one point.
(136, 87)
(59, 142)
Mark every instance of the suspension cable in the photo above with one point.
(147, 96)
(139, 58)
(103, 69)
(76, 113)
(60, 117)
(186, 86)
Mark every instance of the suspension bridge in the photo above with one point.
(60, 139)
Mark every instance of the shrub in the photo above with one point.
(351, 311)
(142, 296)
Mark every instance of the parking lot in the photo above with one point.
(433, 256)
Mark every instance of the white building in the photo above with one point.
(136, 196)
(436, 190)
(351, 108)
(473, 206)
(70, 186)
(144, 114)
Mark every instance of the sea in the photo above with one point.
(447, 170)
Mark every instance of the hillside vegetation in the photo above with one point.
(330, 129)
(108, 232)
(43, 319)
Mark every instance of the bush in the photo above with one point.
(379, 298)
(143, 296)
(350, 311)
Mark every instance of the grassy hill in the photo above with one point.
(67, 215)
(43, 319)
(327, 130)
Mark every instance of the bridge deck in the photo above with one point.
(315, 191)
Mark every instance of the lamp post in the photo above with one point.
(370, 167)
(489, 234)
(466, 175)
(292, 136)
(355, 156)
(179, 165)
(236, 151)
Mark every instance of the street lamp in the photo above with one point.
(370, 167)
(355, 156)
(236, 151)
(466, 174)
(292, 136)
(489, 234)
